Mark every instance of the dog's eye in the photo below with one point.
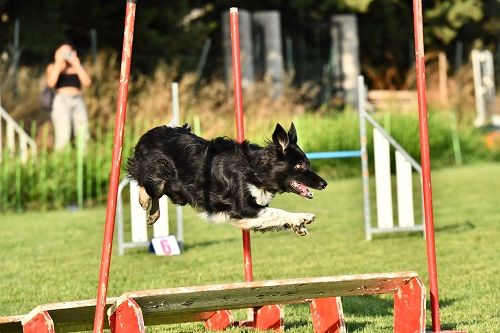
(299, 166)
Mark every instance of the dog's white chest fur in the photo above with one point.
(262, 197)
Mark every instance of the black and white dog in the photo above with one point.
(224, 180)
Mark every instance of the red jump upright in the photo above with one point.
(426, 163)
(269, 317)
(114, 178)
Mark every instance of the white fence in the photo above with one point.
(15, 140)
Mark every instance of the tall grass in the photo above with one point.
(57, 179)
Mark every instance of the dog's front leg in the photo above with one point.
(144, 198)
(276, 219)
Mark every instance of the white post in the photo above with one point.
(137, 215)
(404, 191)
(23, 148)
(160, 228)
(11, 139)
(383, 180)
(175, 104)
(478, 88)
(176, 122)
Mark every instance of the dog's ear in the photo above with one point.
(280, 138)
(292, 134)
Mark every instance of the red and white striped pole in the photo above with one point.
(240, 130)
(121, 112)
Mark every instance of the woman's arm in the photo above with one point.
(52, 74)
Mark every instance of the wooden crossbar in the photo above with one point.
(258, 293)
(174, 305)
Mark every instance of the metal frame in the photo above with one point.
(363, 118)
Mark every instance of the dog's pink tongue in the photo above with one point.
(304, 191)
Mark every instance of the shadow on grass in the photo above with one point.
(368, 306)
(397, 235)
(456, 227)
(359, 311)
(192, 246)
(450, 228)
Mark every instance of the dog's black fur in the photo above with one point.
(213, 176)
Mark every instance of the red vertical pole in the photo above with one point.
(240, 131)
(425, 160)
(121, 112)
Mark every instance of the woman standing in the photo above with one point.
(67, 76)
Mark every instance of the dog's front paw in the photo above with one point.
(306, 218)
(152, 218)
(300, 220)
(299, 230)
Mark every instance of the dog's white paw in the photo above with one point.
(304, 218)
(298, 222)
(299, 230)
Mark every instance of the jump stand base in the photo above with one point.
(327, 315)
(39, 323)
(219, 321)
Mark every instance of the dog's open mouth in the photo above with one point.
(301, 189)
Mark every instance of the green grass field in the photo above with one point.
(54, 256)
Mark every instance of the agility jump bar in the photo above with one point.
(333, 154)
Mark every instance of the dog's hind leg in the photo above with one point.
(154, 213)
(144, 198)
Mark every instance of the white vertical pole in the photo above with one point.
(177, 117)
(11, 143)
(383, 180)
(478, 88)
(137, 215)
(119, 223)
(160, 228)
(404, 191)
(175, 104)
(364, 157)
(23, 147)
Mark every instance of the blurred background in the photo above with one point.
(300, 62)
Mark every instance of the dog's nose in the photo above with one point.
(322, 184)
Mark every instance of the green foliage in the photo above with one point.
(54, 256)
(341, 132)
(447, 17)
(53, 176)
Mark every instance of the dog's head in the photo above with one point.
(293, 166)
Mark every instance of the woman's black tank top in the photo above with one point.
(68, 80)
